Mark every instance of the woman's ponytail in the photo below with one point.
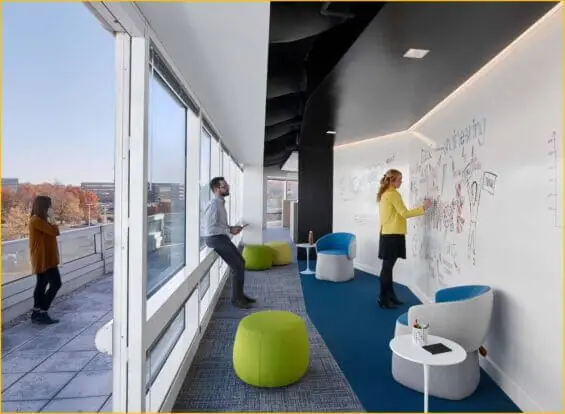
(387, 179)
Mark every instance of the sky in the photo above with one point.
(58, 94)
(58, 106)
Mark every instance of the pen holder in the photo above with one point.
(420, 336)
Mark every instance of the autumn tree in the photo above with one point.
(16, 224)
(71, 205)
(8, 201)
(66, 207)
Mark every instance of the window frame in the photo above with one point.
(141, 321)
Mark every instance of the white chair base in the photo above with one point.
(454, 382)
(334, 268)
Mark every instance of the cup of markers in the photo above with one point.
(420, 333)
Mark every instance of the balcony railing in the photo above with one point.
(86, 254)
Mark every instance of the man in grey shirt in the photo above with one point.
(217, 231)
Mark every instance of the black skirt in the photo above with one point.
(392, 246)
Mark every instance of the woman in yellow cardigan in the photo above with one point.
(392, 244)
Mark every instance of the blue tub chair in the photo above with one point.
(335, 252)
(462, 314)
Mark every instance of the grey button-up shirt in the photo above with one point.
(216, 218)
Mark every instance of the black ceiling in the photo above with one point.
(306, 41)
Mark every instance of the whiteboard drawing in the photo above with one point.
(455, 179)
(555, 195)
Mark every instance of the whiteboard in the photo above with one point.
(358, 170)
(485, 197)
(495, 175)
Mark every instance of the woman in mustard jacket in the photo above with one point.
(44, 255)
(392, 244)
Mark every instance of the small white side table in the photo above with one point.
(307, 246)
(403, 346)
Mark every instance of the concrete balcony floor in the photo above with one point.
(57, 368)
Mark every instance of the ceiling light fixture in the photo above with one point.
(416, 53)
(331, 132)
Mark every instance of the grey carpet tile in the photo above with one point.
(211, 384)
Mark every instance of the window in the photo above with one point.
(226, 172)
(292, 190)
(235, 191)
(215, 159)
(157, 355)
(166, 208)
(275, 196)
(204, 285)
(205, 143)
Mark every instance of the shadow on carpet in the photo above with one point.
(211, 384)
(358, 332)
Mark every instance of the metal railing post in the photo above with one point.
(103, 248)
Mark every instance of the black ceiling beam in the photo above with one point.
(306, 41)
(278, 130)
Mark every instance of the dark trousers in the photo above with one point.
(47, 285)
(387, 290)
(231, 255)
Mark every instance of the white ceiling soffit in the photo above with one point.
(221, 51)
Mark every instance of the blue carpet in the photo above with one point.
(357, 333)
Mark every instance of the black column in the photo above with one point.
(315, 192)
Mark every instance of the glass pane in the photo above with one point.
(157, 354)
(77, 248)
(275, 195)
(227, 175)
(205, 142)
(15, 260)
(204, 285)
(215, 159)
(292, 190)
(166, 208)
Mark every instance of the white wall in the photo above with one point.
(358, 169)
(253, 204)
(506, 117)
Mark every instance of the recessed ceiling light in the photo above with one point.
(331, 132)
(416, 53)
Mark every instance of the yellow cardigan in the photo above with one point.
(393, 213)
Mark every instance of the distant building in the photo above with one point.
(11, 183)
(164, 192)
(156, 192)
(104, 191)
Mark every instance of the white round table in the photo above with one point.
(307, 246)
(403, 346)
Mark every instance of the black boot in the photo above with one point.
(240, 303)
(249, 300)
(43, 318)
(386, 303)
(396, 301)
(34, 314)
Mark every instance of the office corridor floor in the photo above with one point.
(350, 359)
(211, 384)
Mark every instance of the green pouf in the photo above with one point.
(282, 253)
(257, 257)
(271, 349)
